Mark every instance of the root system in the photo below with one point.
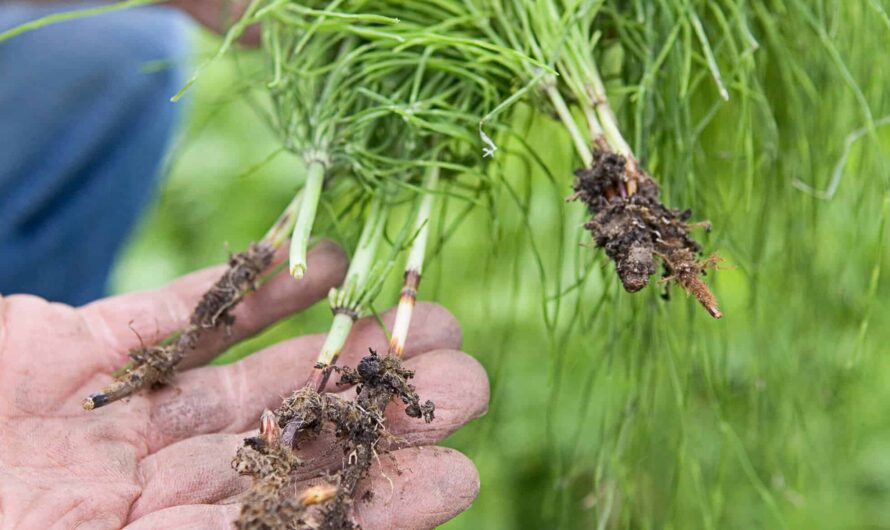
(267, 504)
(632, 225)
(358, 425)
(156, 365)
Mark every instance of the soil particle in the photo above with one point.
(156, 365)
(636, 228)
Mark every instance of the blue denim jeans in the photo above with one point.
(85, 119)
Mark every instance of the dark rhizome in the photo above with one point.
(632, 225)
(156, 365)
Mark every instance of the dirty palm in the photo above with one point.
(393, 109)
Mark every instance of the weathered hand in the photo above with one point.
(162, 459)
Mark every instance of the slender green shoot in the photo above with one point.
(414, 265)
(299, 244)
(347, 302)
(283, 226)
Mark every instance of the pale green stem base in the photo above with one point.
(582, 146)
(306, 218)
(333, 343)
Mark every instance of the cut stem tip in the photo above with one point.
(95, 401)
(298, 271)
(318, 494)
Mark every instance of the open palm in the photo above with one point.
(162, 459)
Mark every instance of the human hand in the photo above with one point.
(162, 459)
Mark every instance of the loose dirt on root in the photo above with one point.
(240, 277)
(635, 228)
(359, 426)
(156, 365)
(269, 504)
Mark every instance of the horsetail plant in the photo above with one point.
(368, 94)
(358, 425)
(349, 301)
(153, 365)
(629, 220)
(414, 266)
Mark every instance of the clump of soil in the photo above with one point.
(269, 503)
(358, 426)
(241, 277)
(634, 228)
(156, 365)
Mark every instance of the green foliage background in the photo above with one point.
(617, 411)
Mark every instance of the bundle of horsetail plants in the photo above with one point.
(383, 101)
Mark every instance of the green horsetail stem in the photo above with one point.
(347, 301)
(414, 265)
(299, 243)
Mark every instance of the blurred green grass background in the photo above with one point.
(617, 411)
